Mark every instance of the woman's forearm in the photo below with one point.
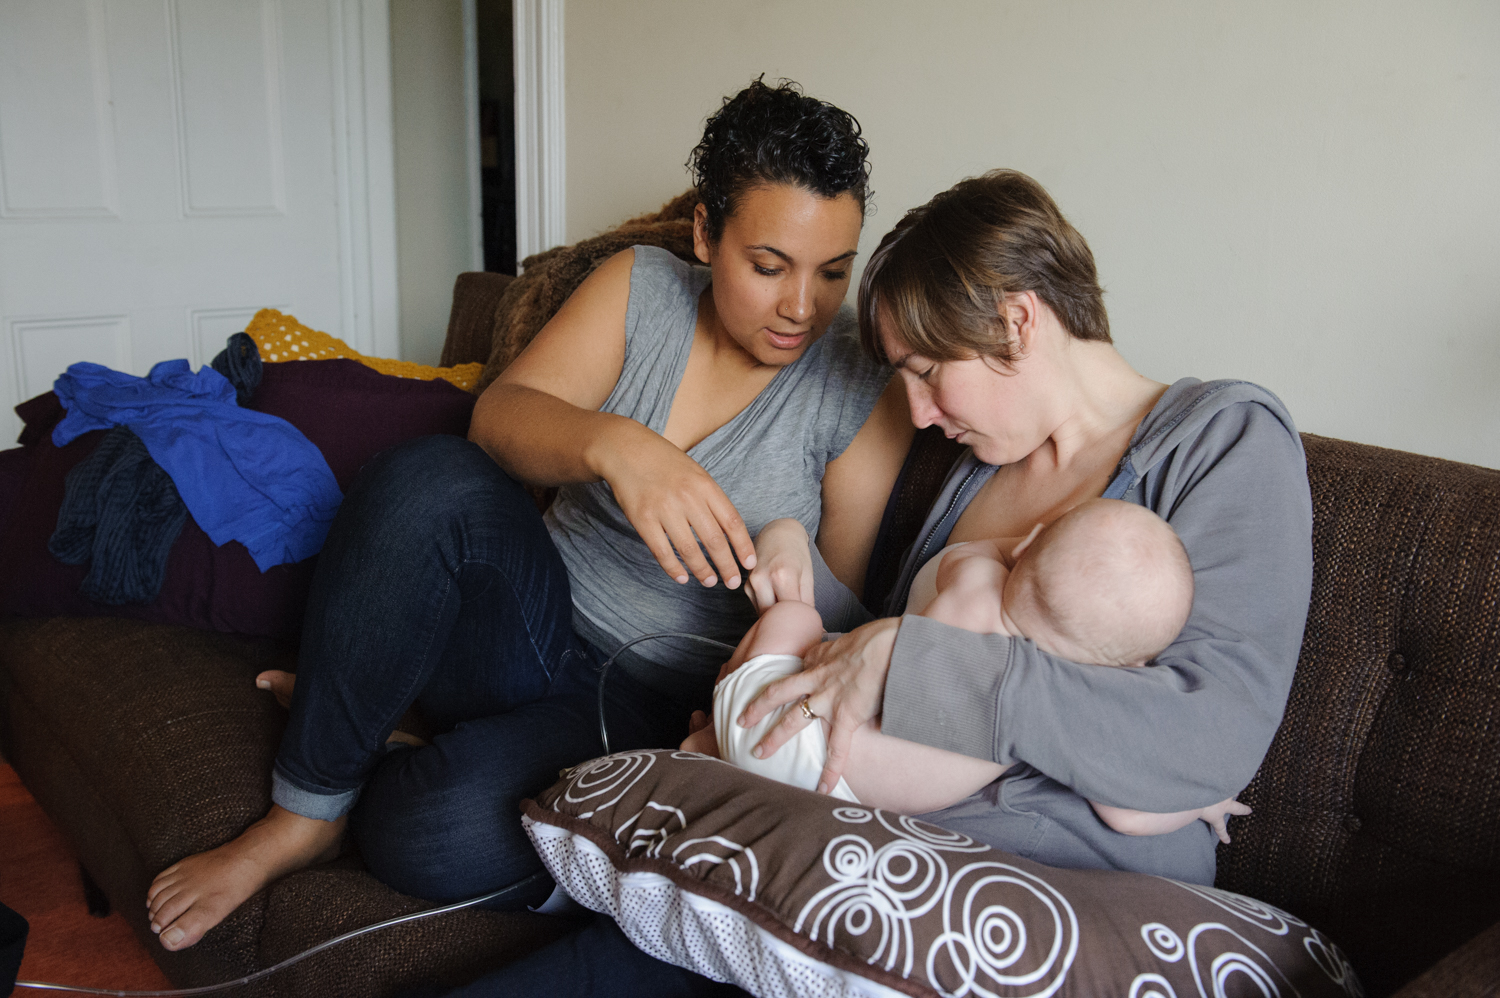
(542, 440)
(675, 506)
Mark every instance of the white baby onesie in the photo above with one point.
(800, 761)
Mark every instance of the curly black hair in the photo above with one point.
(777, 135)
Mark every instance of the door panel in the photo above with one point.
(167, 167)
(57, 154)
(227, 88)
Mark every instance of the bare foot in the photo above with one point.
(282, 683)
(701, 737)
(191, 897)
(279, 683)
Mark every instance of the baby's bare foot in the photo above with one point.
(190, 897)
(279, 683)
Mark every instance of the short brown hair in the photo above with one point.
(942, 273)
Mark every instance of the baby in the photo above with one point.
(1106, 584)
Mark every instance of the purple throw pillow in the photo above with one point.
(349, 412)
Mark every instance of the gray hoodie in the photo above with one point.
(1222, 463)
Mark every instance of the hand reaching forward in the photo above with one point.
(674, 504)
(842, 681)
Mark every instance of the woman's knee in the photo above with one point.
(430, 475)
(436, 493)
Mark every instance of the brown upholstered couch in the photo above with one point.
(1377, 811)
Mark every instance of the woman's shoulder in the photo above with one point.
(1226, 443)
(664, 271)
(837, 371)
(664, 292)
(1191, 408)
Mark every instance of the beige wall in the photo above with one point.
(432, 192)
(1303, 194)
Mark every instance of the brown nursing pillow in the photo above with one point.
(785, 892)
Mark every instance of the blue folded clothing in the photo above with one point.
(244, 476)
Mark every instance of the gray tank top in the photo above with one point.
(768, 459)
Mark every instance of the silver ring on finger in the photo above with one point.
(806, 710)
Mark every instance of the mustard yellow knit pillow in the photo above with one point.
(281, 338)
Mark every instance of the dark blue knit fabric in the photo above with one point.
(239, 362)
(181, 444)
(122, 514)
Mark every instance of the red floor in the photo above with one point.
(39, 878)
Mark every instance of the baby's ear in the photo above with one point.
(1015, 552)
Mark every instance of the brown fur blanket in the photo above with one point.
(548, 278)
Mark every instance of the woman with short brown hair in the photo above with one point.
(986, 302)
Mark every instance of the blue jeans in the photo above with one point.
(440, 587)
(597, 961)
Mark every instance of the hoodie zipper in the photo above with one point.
(958, 494)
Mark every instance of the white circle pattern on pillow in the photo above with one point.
(1005, 930)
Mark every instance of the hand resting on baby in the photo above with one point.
(1107, 584)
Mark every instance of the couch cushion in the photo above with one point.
(148, 743)
(347, 410)
(783, 892)
(1377, 808)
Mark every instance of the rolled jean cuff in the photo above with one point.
(310, 804)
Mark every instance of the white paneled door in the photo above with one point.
(168, 167)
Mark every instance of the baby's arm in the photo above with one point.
(969, 586)
(1130, 822)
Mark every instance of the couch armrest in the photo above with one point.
(1471, 971)
(471, 321)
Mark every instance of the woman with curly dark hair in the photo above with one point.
(679, 409)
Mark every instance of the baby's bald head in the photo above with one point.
(1107, 583)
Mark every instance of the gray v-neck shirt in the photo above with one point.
(768, 459)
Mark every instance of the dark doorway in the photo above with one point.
(497, 133)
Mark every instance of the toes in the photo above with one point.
(158, 907)
(159, 892)
(163, 877)
(279, 683)
(172, 908)
(188, 929)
